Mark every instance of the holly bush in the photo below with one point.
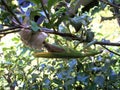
(69, 45)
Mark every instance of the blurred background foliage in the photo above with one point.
(19, 70)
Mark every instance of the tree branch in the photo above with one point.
(113, 5)
(14, 31)
(110, 50)
(108, 44)
(10, 11)
(8, 29)
(71, 36)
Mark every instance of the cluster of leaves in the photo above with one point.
(20, 70)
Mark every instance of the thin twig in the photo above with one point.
(10, 11)
(113, 5)
(8, 29)
(74, 37)
(47, 15)
(108, 44)
(14, 31)
(110, 50)
(107, 18)
(71, 36)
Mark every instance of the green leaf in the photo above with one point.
(34, 26)
(69, 82)
(20, 62)
(34, 75)
(91, 87)
(1, 69)
(89, 35)
(52, 2)
(95, 10)
(57, 81)
(16, 40)
(99, 80)
(63, 29)
(83, 79)
(35, 1)
(1, 26)
(47, 81)
(76, 23)
(60, 11)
